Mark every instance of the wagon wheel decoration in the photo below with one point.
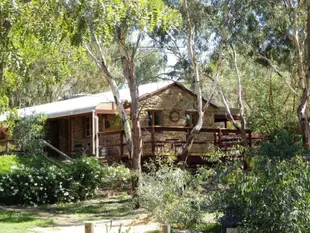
(174, 116)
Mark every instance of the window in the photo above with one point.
(191, 119)
(105, 123)
(153, 118)
(87, 126)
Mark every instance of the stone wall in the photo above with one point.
(178, 101)
(173, 99)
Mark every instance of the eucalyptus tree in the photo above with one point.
(95, 25)
(35, 62)
(191, 23)
(8, 15)
(274, 33)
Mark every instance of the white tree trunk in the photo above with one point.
(103, 66)
(240, 102)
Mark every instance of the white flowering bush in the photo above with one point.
(115, 177)
(50, 184)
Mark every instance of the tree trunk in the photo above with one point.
(136, 128)
(229, 115)
(128, 72)
(103, 66)
(302, 110)
(1, 71)
(197, 89)
(240, 102)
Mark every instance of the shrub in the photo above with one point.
(7, 161)
(281, 145)
(50, 184)
(30, 131)
(272, 197)
(115, 177)
(171, 196)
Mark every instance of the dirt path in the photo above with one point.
(133, 226)
(74, 223)
(70, 218)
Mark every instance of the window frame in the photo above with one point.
(87, 126)
(155, 117)
(192, 120)
(106, 124)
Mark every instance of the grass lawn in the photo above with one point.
(21, 222)
(16, 219)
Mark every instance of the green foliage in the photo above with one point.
(272, 197)
(106, 18)
(30, 131)
(171, 196)
(115, 177)
(50, 184)
(281, 145)
(203, 174)
(8, 161)
(147, 66)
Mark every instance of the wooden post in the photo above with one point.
(215, 139)
(166, 228)
(231, 230)
(250, 139)
(93, 138)
(69, 136)
(220, 138)
(97, 151)
(7, 146)
(89, 227)
(153, 140)
(121, 142)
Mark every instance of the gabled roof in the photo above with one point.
(181, 86)
(85, 104)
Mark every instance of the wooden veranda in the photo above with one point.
(205, 142)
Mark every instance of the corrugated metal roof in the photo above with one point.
(84, 104)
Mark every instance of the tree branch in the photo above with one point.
(136, 46)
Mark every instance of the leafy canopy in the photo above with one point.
(104, 17)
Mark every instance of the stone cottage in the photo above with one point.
(91, 123)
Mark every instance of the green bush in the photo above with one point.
(7, 161)
(171, 196)
(30, 131)
(115, 177)
(273, 197)
(281, 145)
(50, 184)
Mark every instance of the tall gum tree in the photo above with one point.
(95, 25)
(276, 35)
(192, 34)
